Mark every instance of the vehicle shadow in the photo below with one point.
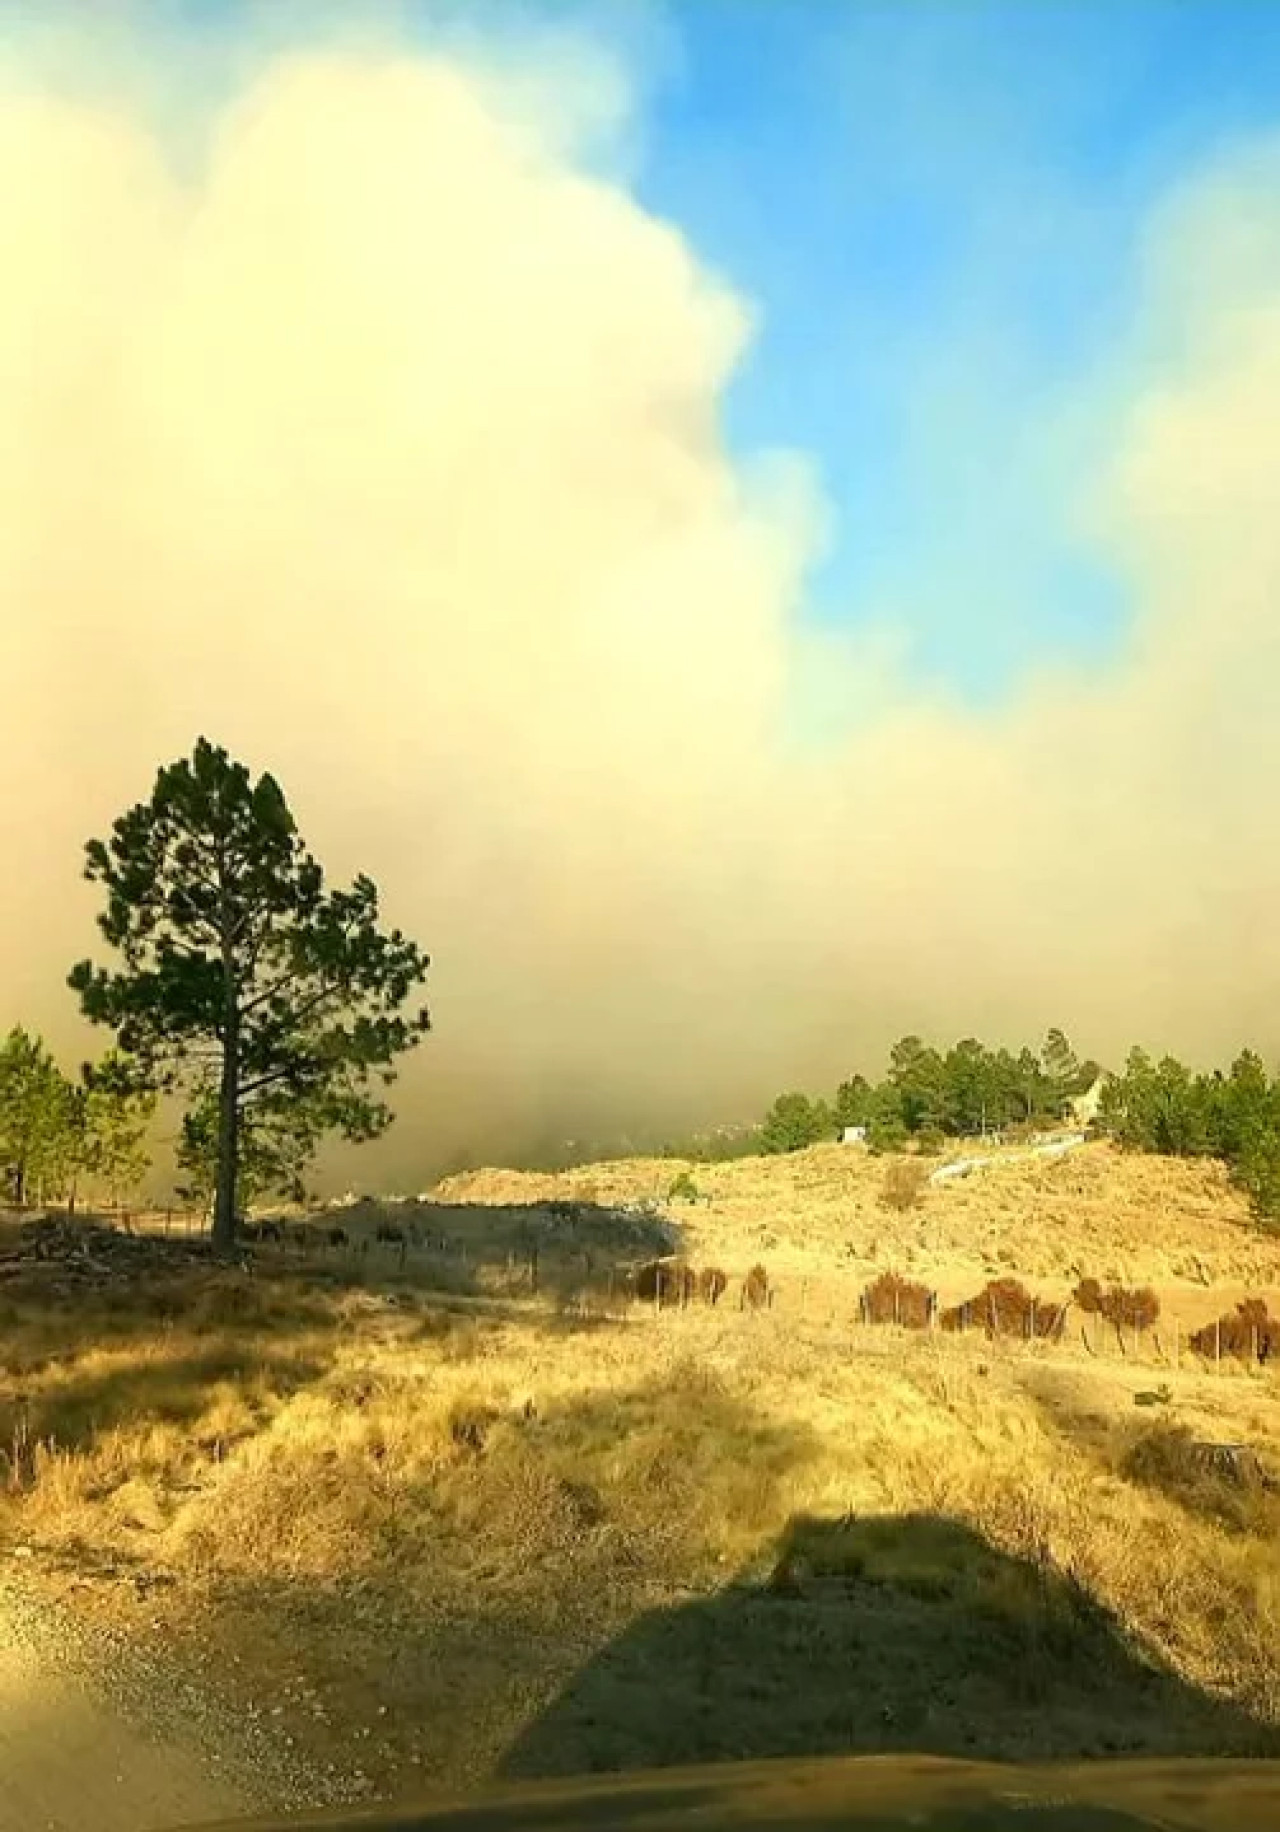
(875, 1635)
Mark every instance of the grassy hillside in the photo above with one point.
(443, 1535)
(1098, 1211)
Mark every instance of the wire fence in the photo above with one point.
(593, 1285)
(1248, 1336)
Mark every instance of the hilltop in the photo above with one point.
(820, 1213)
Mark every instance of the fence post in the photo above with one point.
(1254, 1333)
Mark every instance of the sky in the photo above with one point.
(753, 520)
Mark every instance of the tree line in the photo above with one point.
(63, 1135)
(1232, 1114)
(928, 1096)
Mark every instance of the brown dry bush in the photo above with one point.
(891, 1299)
(679, 1284)
(904, 1184)
(1089, 1297)
(711, 1284)
(666, 1283)
(755, 1289)
(1135, 1307)
(1247, 1332)
(1004, 1307)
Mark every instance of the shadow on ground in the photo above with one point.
(882, 1634)
(467, 1599)
(475, 1248)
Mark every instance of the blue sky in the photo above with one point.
(937, 207)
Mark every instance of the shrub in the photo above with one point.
(1135, 1309)
(1127, 1307)
(711, 1284)
(891, 1299)
(755, 1289)
(904, 1184)
(1247, 1331)
(1004, 1307)
(683, 1189)
(1225, 1481)
(1088, 1295)
(666, 1283)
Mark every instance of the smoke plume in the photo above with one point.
(377, 437)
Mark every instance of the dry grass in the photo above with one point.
(460, 1535)
(515, 1496)
(1178, 1225)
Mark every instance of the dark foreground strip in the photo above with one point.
(854, 1794)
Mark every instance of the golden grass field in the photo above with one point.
(1157, 1221)
(439, 1528)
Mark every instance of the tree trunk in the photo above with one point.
(224, 1207)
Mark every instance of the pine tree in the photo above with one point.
(244, 978)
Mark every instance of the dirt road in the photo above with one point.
(70, 1759)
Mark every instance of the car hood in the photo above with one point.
(855, 1794)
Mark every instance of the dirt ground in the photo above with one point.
(69, 1758)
